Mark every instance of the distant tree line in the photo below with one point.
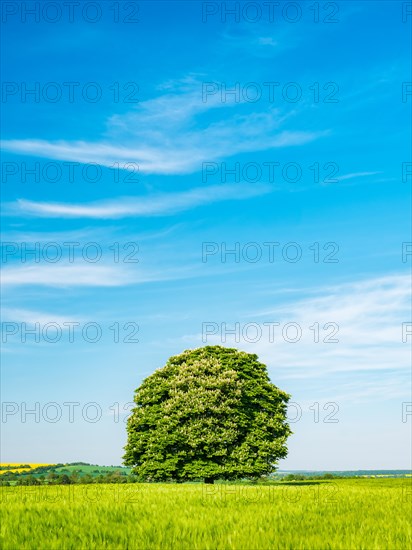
(65, 477)
(74, 477)
(302, 477)
(64, 474)
(18, 466)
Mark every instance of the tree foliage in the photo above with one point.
(209, 413)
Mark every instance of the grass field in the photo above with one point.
(344, 514)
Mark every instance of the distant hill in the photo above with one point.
(348, 473)
(14, 472)
(83, 472)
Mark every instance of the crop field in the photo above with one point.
(18, 467)
(343, 514)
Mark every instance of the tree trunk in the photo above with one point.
(209, 480)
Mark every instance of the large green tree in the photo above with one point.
(209, 413)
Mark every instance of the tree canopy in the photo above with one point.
(209, 413)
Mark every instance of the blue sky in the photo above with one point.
(318, 131)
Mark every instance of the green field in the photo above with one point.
(343, 514)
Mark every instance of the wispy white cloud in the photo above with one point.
(356, 175)
(260, 41)
(69, 275)
(267, 41)
(153, 205)
(167, 134)
(18, 315)
(369, 315)
(16, 240)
